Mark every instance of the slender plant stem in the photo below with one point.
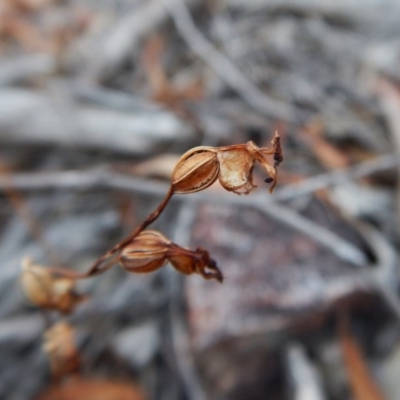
(110, 258)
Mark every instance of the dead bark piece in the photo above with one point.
(273, 275)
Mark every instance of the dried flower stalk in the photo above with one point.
(196, 170)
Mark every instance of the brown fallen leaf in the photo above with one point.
(362, 382)
(91, 389)
(329, 155)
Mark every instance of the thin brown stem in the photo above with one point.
(149, 220)
(105, 262)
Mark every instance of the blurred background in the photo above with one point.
(98, 100)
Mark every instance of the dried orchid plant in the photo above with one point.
(196, 170)
(144, 250)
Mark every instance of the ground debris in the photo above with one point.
(99, 101)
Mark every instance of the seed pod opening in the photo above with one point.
(196, 170)
(236, 170)
(145, 253)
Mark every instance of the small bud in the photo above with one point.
(59, 345)
(47, 290)
(196, 170)
(145, 253)
(150, 250)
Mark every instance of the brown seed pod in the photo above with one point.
(47, 290)
(145, 253)
(198, 261)
(233, 165)
(196, 170)
(236, 169)
(150, 250)
(236, 165)
(59, 345)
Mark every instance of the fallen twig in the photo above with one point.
(304, 378)
(29, 117)
(179, 335)
(223, 66)
(362, 382)
(24, 67)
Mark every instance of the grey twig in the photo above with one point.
(31, 117)
(92, 179)
(102, 178)
(336, 177)
(339, 246)
(222, 65)
(303, 374)
(179, 332)
(389, 97)
(17, 69)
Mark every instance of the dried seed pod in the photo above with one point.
(59, 345)
(236, 169)
(198, 261)
(232, 165)
(236, 164)
(196, 170)
(145, 253)
(47, 290)
(150, 250)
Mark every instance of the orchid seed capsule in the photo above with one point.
(150, 250)
(236, 170)
(145, 253)
(47, 290)
(198, 261)
(196, 170)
